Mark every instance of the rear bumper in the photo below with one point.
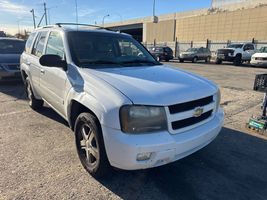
(122, 149)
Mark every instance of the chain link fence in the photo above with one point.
(179, 47)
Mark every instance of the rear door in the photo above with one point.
(53, 79)
(33, 60)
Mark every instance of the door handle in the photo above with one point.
(42, 71)
(28, 62)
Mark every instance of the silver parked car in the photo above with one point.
(10, 51)
(195, 54)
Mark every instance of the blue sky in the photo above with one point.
(14, 13)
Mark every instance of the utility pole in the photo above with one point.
(33, 17)
(154, 7)
(45, 13)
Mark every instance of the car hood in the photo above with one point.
(260, 55)
(9, 58)
(228, 49)
(156, 85)
(188, 53)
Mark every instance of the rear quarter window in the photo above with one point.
(29, 43)
(39, 44)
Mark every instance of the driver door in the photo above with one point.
(53, 79)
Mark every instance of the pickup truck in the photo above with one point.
(236, 53)
(126, 109)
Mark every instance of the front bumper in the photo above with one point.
(225, 57)
(122, 149)
(258, 63)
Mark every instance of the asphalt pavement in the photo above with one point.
(39, 161)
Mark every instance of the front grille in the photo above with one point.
(190, 121)
(259, 58)
(224, 51)
(183, 115)
(190, 105)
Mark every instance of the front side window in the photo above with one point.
(89, 49)
(55, 44)
(39, 44)
(11, 46)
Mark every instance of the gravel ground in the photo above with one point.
(38, 157)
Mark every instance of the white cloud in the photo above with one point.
(85, 12)
(14, 8)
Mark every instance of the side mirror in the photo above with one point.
(50, 60)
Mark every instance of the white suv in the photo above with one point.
(127, 110)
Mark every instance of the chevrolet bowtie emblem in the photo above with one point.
(198, 112)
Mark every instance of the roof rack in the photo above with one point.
(90, 25)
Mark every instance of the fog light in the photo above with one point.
(143, 156)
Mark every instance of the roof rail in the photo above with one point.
(91, 25)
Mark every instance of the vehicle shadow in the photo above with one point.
(51, 114)
(13, 88)
(231, 167)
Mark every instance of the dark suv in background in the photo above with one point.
(161, 53)
(195, 54)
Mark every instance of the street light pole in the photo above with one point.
(33, 17)
(45, 14)
(103, 21)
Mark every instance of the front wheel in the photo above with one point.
(237, 61)
(90, 145)
(218, 61)
(207, 60)
(34, 103)
(194, 60)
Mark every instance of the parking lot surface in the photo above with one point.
(39, 161)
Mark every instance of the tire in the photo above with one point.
(181, 60)
(90, 145)
(194, 60)
(167, 60)
(34, 103)
(237, 60)
(218, 61)
(207, 60)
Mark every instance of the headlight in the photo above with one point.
(218, 99)
(142, 119)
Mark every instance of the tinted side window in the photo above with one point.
(39, 44)
(251, 47)
(29, 43)
(55, 44)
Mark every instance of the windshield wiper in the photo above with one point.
(95, 62)
(140, 61)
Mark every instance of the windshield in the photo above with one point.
(156, 49)
(192, 50)
(98, 50)
(263, 50)
(11, 46)
(235, 46)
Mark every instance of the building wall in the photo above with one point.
(235, 25)
(162, 31)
